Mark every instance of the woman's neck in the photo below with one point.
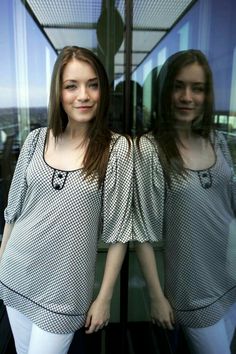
(76, 132)
(184, 132)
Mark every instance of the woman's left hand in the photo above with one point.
(162, 313)
(99, 312)
(98, 316)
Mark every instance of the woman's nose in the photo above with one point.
(82, 94)
(186, 95)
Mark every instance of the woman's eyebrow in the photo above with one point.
(69, 80)
(191, 82)
(93, 79)
(73, 80)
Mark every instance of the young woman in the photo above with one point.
(184, 195)
(73, 182)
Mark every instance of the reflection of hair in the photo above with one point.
(164, 130)
(98, 134)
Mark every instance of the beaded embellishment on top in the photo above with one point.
(205, 178)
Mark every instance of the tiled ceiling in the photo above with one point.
(74, 22)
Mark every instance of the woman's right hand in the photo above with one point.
(162, 313)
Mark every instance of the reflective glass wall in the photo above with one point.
(207, 25)
(25, 70)
(159, 28)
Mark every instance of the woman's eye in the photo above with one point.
(198, 89)
(94, 85)
(70, 87)
(177, 86)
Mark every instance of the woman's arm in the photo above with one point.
(6, 234)
(161, 311)
(99, 312)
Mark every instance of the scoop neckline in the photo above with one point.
(54, 168)
(204, 169)
(214, 147)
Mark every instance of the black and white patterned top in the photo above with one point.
(47, 270)
(196, 221)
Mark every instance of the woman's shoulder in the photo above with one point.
(148, 139)
(218, 135)
(218, 139)
(120, 141)
(33, 136)
(36, 132)
(146, 143)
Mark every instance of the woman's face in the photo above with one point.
(188, 96)
(80, 92)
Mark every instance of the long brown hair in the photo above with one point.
(98, 134)
(164, 130)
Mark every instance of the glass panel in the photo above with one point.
(25, 70)
(207, 25)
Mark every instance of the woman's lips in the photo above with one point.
(83, 108)
(185, 108)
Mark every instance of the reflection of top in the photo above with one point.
(193, 220)
(47, 270)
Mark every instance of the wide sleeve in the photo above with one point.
(18, 188)
(117, 193)
(149, 192)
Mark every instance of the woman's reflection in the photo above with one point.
(183, 195)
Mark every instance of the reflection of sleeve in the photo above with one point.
(149, 193)
(226, 153)
(18, 187)
(117, 193)
(224, 148)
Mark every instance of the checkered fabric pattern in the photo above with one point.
(47, 271)
(193, 218)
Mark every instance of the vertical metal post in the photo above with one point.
(128, 63)
(124, 278)
(124, 275)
